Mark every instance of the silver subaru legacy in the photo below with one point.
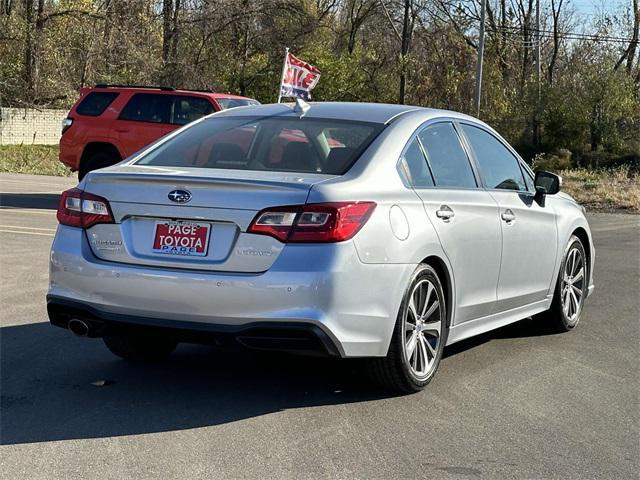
(340, 229)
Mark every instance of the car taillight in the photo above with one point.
(78, 208)
(66, 123)
(313, 223)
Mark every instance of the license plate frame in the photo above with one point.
(168, 235)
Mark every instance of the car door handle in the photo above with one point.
(122, 130)
(508, 216)
(445, 213)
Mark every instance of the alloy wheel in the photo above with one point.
(422, 328)
(573, 281)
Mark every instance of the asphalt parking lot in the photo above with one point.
(516, 403)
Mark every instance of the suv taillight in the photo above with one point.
(78, 208)
(313, 223)
(66, 123)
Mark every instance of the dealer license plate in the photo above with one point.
(181, 238)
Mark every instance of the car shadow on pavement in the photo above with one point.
(528, 327)
(47, 390)
(48, 393)
(30, 200)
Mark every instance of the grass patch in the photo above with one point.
(611, 189)
(34, 159)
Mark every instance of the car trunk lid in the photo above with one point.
(214, 220)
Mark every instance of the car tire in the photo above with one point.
(139, 347)
(100, 159)
(404, 368)
(570, 290)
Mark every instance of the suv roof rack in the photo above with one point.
(159, 87)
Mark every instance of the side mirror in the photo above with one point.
(546, 183)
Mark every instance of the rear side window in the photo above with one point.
(148, 107)
(227, 103)
(448, 160)
(187, 109)
(302, 145)
(415, 166)
(95, 103)
(499, 168)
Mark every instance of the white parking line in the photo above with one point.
(41, 211)
(20, 227)
(30, 182)
(11, 190)
(27, 233)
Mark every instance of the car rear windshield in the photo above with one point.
(95, 103)
(227, 103)
(302, 145)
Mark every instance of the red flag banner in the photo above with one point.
(298, 78)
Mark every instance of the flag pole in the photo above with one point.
(284, 69)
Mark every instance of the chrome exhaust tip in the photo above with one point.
(79, 327)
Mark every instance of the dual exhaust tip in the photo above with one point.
(79, 327)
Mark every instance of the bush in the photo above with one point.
(604, 189)
(601, 159)
(552, 162)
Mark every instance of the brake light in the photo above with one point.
(78, 208)
(313, 223)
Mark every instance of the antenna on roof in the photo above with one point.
(301, 107)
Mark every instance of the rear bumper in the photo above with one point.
(69, 152)
(300, 338)
(321, 286)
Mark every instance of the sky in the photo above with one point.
(591, 10)
(594, 6)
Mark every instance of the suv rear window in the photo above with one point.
(148, 107)
(187, 109)
(303, 145)
(95, 103)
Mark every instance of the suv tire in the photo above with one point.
(99, 159)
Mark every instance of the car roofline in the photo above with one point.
(414, 109)
(378, 113)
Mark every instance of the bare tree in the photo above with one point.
(410, 10)
(498, 25)
(170, 38)
(6, 7)
(357, 12)
(556, 9)
(630, 52)
(35, 24)
(525, 10)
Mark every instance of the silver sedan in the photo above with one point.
(342, 229)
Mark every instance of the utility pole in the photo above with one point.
(538, 67)
(480, 58)
(536, 114)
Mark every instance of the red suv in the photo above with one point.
(111, 122)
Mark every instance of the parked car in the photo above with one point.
(110, 122)
(386, 232)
